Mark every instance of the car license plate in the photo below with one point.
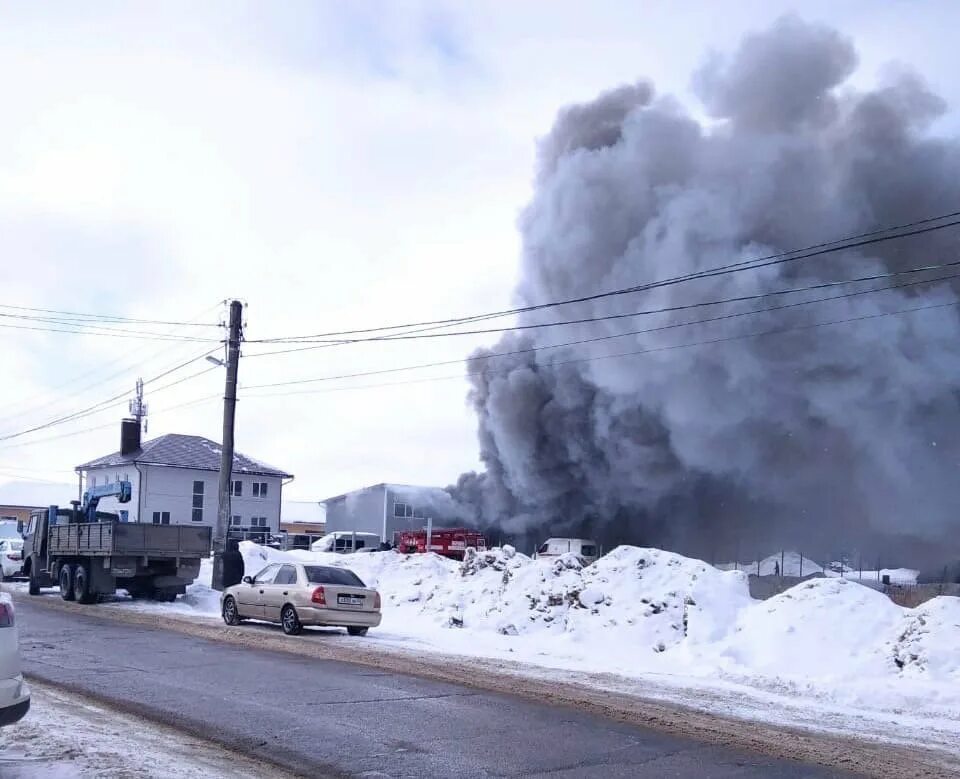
(350, 600)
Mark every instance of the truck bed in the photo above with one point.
(129, 539)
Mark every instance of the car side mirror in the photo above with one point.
(248, 580)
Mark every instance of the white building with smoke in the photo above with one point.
(386, 509)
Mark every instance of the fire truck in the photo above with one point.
(444, 541)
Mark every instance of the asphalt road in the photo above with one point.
(329, 718)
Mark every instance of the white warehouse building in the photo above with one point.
(175, 480)
(387, 509)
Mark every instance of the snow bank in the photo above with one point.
(637, 611)
(821, 629)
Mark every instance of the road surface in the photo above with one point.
(330, 718)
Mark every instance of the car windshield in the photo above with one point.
(18, 545)
(325, 574)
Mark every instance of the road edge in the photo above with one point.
(848, 753)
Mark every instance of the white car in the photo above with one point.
(11, 557)
(14, 693)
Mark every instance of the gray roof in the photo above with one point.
(185, 451)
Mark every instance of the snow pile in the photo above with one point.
(820, 629)
(928, 640)
(639, 599)
(636, 611)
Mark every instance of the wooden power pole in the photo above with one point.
(226, 449)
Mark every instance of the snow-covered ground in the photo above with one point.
(826, 653)
(65, 736)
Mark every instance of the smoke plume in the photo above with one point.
(825, 436)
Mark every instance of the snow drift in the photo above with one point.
(638, 611)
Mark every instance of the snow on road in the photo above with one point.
(828, 652)
(65, 736)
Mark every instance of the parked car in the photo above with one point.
(14, 693)
(11, 557)
(346, 541)
(585, 549)
(299, 594)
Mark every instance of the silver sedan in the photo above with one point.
(299, 594)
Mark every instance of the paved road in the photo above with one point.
(328, 718)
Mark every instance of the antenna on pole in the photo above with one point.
(138, 408)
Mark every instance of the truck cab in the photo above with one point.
(584, 548)
(35, 552)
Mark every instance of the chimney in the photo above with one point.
(129, 436)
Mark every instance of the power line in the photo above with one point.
(104, 426)
(663, 310)
(852, 242)
(95, 408)
(109, 317)
(76, 390)
(110, 333)
(669, 347)
(638, 332)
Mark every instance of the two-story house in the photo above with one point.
(175, 480)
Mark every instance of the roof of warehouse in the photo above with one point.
(185, 451)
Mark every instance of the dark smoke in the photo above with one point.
(830, 438)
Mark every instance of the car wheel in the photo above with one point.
(81, 585)
(290, 621)
(357, 631)
(230, 613)
(66, 582)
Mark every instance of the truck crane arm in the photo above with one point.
(91, 498)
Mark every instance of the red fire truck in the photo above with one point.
(445, 541)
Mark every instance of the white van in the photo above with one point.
(346, 541)
(582, 547)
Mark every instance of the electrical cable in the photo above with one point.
(917, 227)
(668, 347)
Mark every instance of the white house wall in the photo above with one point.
(171, 489)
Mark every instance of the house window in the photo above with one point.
(197, 515)
(238, 489)
(406, 510)
(235, 520)
(258, 521)
(259, 489)
(161, 517)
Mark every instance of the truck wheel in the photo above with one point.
(66, 582)
(81, 585)
(231, 614)
(354, 630)
(34, 586)
(290, 621)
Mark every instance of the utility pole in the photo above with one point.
(226, 449)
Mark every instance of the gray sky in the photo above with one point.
(334, 165)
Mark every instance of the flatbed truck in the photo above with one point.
(89, 554)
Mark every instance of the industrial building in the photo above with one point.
(386, 509)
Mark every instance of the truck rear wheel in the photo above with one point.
(66, 582)
(81, 585)
(34, 586)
